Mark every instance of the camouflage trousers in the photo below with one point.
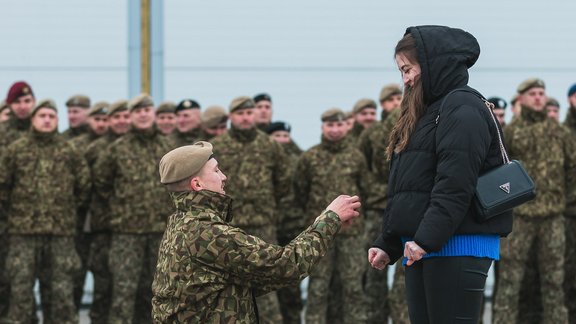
(4, 282)
(132, 262)
(549, 236)
(82, 242)
(375, 281)
(27, 256)
(346, 257)
(268, 305)
(570, 268)
(98, 265)
(397, 297)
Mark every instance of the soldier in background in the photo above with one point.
(263, 111)
(21, 100)
(548, 153)
(499, 109)
(99, 221)
(125, 176)
(166, 117)
(553, 109)
(4, 111)
(322, 173)
(261, 172)
(187, 123)
(43, 180)
(349, 119)
(364, 116)
(78, 106)
(214, 119)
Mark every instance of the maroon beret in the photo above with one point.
(17, 90)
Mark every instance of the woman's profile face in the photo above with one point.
(410, 71)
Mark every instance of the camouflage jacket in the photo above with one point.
(82, 141)
(188, 138)
(548, 152)
(12, 130)
(209, 271)
(43, 182)
(570, 124)
(258, 170)
(126, 175)
(71, 133)
(326, 171)
(291, 222)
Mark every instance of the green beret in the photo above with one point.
(333, 115)
(390, 90)
(118, 106)
(529, 84)
(3, 105)
(140, 101)
(166, 107)
(46, 103)
(363, 104)
(99, 108)
(243, 102)
(78, 101)
(552, 102)
(184, 162)
(213, 116)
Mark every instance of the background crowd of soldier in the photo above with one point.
(89, 199)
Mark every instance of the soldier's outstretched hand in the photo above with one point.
(346, 207)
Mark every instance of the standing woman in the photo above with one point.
(435, 163)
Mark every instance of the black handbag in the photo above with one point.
(503, 187)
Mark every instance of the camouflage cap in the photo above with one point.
(99, 108)
(363, 104)
(17, 90)
(390, 90)
(184, 162)
(81, 101)
(529, 84)
(118, 106)
(333, 115)
(242, 102)
(140, 101)
(46, 103)
(262, 96)
(187, 104)
(498, 102)
(166, 107)
(3, 105)
(552, 102)
(213, 116)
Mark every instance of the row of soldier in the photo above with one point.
(101, 195)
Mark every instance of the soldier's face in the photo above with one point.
(45, 120)
(166, 122)
(553, 112)
(119, 122)
(22, 106)
(282, 137)
(350, 122)
(243, 118)
(500, 114)
(263, 112)
(366, 117)
(98, 124)
(77, 116)
(217, 130)
(391, 103)
(572, 100)
(534, 98)
(334, 131)
(143, 117)
(211, 177)
(187, 120)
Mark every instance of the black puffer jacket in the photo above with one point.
(432, 181)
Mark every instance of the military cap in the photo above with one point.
(187, 104)
(99, 108)
(118, 106)
(333, 115)
(81, 101)
(529, 84)
(498, 102)
(17, 90)
(363, 104)
(46, 103)
(552, 102)
(390, 90)
(3, 105)
(166, 107)
(349, 114)
(213, 116)
(184, 162)
(140, 101)
(572, 90)
(242, 102)
(278, 126)
(262, 96)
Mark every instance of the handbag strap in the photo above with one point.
(489, 106)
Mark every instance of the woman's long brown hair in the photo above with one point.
(412, 106)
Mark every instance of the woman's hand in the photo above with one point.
(413, 252)
(378, 258)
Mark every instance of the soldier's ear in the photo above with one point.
(195, 184)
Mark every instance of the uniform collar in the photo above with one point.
(203, 200)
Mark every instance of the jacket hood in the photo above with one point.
(445, 54)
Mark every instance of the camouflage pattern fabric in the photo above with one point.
(209, 271)
(4, 280)
(355, 133)
(397, 297)
(12, 130)
(375, 281)
(30, 253)
(570, 268)
(72, 133)
(98, 265)
(180, 139)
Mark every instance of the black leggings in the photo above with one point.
(442, 290)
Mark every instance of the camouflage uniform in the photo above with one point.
(324, 172)
(260, 177)
(209, 271)
(45, 170)
(547, 151)
(188, 138)
(126, 175)
(570, 261)
(72, 133)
